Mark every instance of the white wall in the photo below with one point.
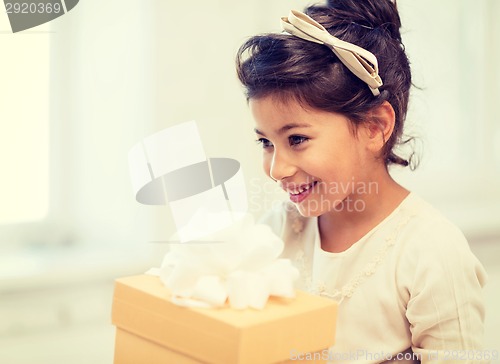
(452, 49)
(102, 103)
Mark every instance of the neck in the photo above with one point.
(360, 212)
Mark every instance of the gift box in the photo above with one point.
(151, 329)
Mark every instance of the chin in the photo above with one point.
(309, 212)
(314, 209)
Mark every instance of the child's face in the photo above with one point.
(313, 150)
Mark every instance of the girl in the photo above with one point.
(329, 98)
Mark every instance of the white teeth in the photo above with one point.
(301, 190)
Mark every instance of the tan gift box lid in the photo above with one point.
(141, 307)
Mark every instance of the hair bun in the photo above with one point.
(366, 13)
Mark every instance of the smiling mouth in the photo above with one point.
(299, 194)
(302, 189)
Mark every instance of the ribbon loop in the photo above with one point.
(243, 268)
(361, 62)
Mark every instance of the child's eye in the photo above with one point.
(297, 139)
(265, 143)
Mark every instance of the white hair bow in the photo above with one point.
(358, 60)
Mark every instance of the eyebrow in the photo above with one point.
(285, 128)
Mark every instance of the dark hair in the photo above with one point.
(288, 67)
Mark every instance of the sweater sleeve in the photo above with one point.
(445, 307)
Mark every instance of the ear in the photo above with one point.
(379, 126)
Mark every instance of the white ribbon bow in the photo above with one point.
(243, 267)
(358, 60)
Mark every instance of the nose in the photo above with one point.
(282, 166)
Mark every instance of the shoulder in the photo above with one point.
(430, 245)
(430, 227)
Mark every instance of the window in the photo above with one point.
(24, 124)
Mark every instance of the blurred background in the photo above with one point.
(77, 93)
